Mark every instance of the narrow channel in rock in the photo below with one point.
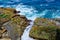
(25, 35)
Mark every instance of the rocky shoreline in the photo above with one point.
(12, 22)
(45, 29)
(12, 26)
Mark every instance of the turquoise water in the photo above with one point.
(34, 8)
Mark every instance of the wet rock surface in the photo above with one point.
(45, 29)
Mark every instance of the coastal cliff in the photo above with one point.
(12, 23)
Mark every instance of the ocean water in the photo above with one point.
(33, 9)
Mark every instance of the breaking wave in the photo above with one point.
(33, 10)
(31, 13)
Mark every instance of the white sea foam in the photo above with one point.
(25, 35)
(1, 5)
(31, 14)
(28, 11)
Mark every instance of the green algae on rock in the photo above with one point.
(13, 23)
(43, 29)
(17, 26)
(5, 15)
